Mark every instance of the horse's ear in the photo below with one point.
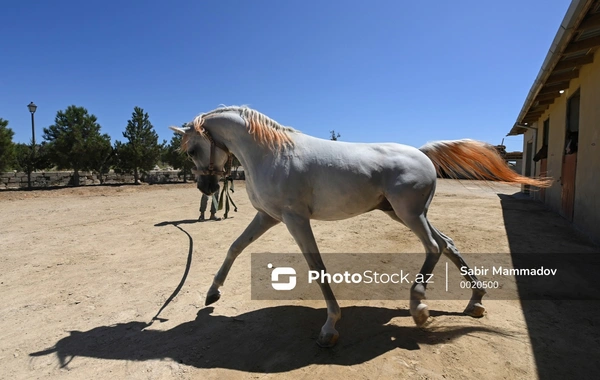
(178, 130)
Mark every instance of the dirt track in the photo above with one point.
(85, 269)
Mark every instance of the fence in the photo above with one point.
(18, 180)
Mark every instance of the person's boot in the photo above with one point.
(214, 217)
(201, 218)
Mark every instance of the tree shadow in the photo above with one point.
(561, 313)
(268, 340)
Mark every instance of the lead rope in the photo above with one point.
(227, 196)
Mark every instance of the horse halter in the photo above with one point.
(211, 166)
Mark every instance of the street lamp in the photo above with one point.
(32, 107)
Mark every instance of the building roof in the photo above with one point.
(513, 156)
(501, 149)
(577, 39)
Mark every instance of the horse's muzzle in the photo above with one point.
(208, 184)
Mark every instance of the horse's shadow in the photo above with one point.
(273, 339)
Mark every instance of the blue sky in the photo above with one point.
(374, 71)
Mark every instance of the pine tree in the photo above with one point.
(176, 158)
(142, 150)
(7, 148)
(74, 141)
(24, 161)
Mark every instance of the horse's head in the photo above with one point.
(210, 157)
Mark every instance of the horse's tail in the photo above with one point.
(474, 160)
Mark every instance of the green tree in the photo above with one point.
(74, 140)
(142, 150)
(121, 158)
(173, 156)
(7, 148)
(24, 161)
(334, 136)
(101, 158)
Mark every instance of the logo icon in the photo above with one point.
(282, 271)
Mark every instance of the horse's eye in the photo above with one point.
(192, 152)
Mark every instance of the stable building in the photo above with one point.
(560, 121)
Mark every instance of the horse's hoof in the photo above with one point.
(212, 297)
(476, 310)
(329, 339)
(420, 314)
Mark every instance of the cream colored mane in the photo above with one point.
(264, 129)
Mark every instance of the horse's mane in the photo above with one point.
(264, 129)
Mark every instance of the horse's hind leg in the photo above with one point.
(420, 227)
(299, 228)
(412, 214)
(409, 210)
(475, 307)
(259, 225)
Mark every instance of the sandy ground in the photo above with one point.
(84, 271)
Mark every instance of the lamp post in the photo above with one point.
(32, 107)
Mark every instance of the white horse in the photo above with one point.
(292, 177)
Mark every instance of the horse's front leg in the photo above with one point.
(300, 229)
(259, 225)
